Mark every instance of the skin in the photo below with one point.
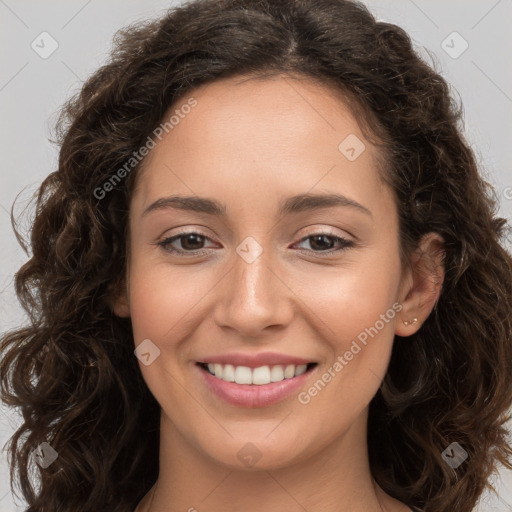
(249, 145)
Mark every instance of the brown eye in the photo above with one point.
(324, 243)
(191, 242)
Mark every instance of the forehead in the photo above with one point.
(243, 111)
(251, 137)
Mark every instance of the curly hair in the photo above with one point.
(71, 371)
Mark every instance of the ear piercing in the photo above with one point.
(413, 321)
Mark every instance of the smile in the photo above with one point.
(259, 376)
(258, 385)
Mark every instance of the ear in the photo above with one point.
(119, 301)
(421, 285)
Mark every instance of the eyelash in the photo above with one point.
(345, 244)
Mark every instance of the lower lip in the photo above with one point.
(252, 395)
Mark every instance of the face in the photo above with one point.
(269, 286)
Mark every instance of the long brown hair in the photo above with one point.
(72, 373)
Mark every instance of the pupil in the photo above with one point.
(187, 238)
(317, 238)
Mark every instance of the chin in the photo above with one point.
(256, 454)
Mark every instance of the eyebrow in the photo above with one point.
(295, 204)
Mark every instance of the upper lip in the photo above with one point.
(255, 360)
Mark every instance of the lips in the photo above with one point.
(254, 380)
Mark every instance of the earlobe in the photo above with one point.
(410, 322)
(121, 308)
(119, 302)
(424, 284)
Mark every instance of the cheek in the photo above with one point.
(162, 310)
(161, 301)
(356, 304)
(356, 308)
(349, 299)
(165, 300)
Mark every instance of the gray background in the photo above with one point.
(32, 89)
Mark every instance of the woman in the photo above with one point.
(266, 275)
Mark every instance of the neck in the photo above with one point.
(338, 478)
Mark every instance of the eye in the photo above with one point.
(324, 242)
(190, 242)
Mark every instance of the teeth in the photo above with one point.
(301, 368)
(289, 371)
(257, 376)
(228, 374)
(261, 375)
(276, 373)
(243, 375)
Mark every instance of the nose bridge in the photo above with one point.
(253, 297)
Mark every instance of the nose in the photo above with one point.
(253, 298)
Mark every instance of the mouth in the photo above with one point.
(259, 376)
(257, 386)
